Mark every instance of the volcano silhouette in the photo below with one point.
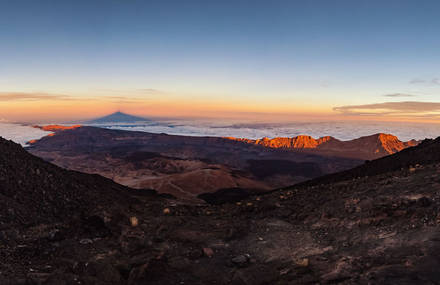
(118, 117)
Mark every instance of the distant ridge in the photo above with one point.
(409, 159)
(298, 142)
(118, 117)
(57, 128)
(369, 147)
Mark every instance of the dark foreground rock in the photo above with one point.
(382, 229)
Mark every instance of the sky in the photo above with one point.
(271, 60)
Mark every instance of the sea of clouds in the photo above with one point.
(340, 130)
(20, 133)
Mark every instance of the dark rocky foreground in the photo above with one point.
(63, 227)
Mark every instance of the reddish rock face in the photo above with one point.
(57, 128)
(54, 129)
(299, 142)
(391, 144)
(368, 147)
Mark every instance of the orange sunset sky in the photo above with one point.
(220, 59)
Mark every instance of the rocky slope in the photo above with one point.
(380, 229)
(427, 152)
(368, 147)
(36, 190)
(41, 204)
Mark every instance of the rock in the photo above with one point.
(303, 262)
(134, 222)
(208, 252)
(241, 259)
(86, 241)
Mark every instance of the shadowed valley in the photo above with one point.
(189, 166)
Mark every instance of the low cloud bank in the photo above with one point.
(19, 133)
(341, 130)
(428, 110)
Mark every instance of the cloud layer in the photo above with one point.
(339, 129)
(394, 95)
(19, 133)
(23, 96)
(407, 108)
(432, 81)
(133, 96)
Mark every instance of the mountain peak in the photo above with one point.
(367, 147)
(298, 142)
(118, 117)
(385, 144)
